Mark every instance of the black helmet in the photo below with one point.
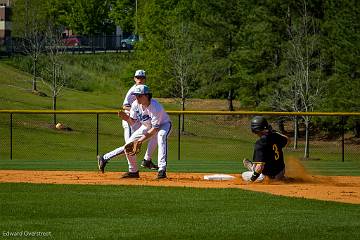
(258, 124)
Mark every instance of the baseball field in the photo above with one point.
(52, 189)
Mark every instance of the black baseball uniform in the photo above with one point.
(268, 151)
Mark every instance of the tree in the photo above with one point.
(218, 24)
(304, 69)
(159, 26)
(184, 58)
(29, 26)
(54, 71)
(341, 24)
(123, 13)
(88, 17)
(259, 55)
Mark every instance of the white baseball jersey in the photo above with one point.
(129, 98)
(152, 116)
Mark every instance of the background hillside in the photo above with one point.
(93, 82)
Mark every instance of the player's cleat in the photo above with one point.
(101, 163)
(248, 164)
(131, 175)
(149, 164)
(161, 174)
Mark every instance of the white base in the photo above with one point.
(219, 177)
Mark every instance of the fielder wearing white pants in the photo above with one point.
(160, 138)
(139, 79)
(155, 126)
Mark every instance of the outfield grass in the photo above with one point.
(120, 212)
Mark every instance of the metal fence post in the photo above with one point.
(97, 134)
(343, 138)
(11, 133)
(179, 132)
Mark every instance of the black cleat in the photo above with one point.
(161, 174)
(101, 163)
(131, 175)
(149, 164)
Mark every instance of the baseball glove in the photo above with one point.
(132, 148)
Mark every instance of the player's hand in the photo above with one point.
(122, 115)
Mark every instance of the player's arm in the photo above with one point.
(149, 134)
(131, 118)
(126, 118)
(258, 168)
(155, 123)
(285, 140)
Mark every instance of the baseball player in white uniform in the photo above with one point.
(139, 79)
(155, 124)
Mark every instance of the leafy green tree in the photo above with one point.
(218, 25)
(88, 17)
(259, 57)
(342, 49)
(342, 45)
(157, 26)
(123, 13)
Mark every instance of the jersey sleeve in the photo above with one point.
(282, 139)
(134, 110)
(129, 98)
(260, 151)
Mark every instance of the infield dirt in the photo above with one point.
(299, 184)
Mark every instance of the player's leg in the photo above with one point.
(132, 159)
(280, 175)
(147, 162)
(246, 176)
(152, 144)
(162, 138)
(104, 159)
(127, 130)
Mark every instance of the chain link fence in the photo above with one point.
(76, 44)
(205, 137)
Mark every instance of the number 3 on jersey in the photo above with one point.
(276, 150)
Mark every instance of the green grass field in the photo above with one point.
(119, 212)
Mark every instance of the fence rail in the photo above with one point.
(194, 118)
(245, 113)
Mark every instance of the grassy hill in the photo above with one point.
(106, 86)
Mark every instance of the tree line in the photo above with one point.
(271, 55)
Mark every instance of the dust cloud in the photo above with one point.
(296, 171)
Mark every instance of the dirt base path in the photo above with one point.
(335, 188)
